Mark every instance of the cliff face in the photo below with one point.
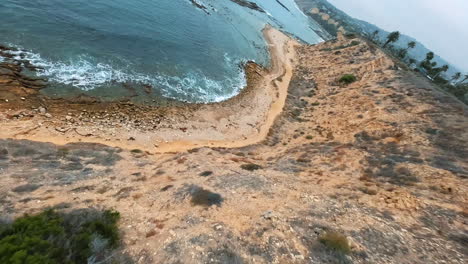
(378, 167)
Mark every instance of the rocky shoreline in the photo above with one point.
(127, 124)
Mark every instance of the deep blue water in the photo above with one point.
(108, 48)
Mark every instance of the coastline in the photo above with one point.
(381, 161)
(242, 120)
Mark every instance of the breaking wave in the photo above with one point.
(191, 87)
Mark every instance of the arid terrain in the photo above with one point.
(381, 163)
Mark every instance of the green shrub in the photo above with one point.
(336, 242)
(50, 237)
(348, 78)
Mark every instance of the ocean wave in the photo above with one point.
(85, 75)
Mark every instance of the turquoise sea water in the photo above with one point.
(111, 48)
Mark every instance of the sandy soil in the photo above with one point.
(383, 162)
(241, 121)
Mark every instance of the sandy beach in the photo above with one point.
(239, 121)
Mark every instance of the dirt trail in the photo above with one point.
(276, 81)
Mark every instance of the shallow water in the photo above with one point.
(112, 48)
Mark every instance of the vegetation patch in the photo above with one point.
(348, 78)
(26, 188)
(336, 242)
(206, 173)
(251, 167)
(50, 237)
(206, 198)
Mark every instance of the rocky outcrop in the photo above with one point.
(249, 4)
(281, 4)
(199, 6)
(12, 72)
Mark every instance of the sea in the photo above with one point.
(187, 50)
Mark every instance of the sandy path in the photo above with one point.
(234, 123)
(282, 56)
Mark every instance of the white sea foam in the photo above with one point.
(85, 75)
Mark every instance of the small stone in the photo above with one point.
(42, 110)
(352, 244)
(48, 115)
(268, 215)
(68, 118)
(151, 233)
(22, 98)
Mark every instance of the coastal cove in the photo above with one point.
(146, 51)
(242, 120)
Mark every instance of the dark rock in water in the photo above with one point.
(12, 70)
(283, 5)
(249, 4)
(200, 6)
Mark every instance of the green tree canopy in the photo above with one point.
(392, 37)
(430, 56)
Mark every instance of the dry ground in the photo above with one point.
(382, 161)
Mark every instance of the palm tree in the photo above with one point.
(374, 35)
(402, 53)
(392, 37)
(464, 79)
(456, 76)
(411, 45)
(430, 56)
(438, 71)
(427, 64)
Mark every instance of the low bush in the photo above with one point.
(50, 237)
(250, 167)
(336, 242)
(348, 78)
